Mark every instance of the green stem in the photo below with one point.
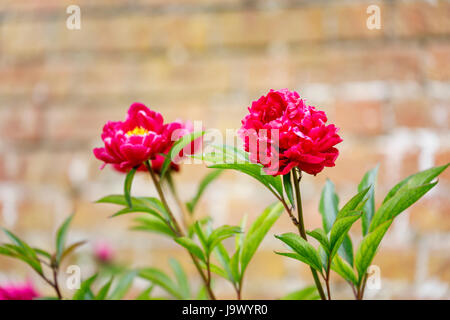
(301, 228)
(178, 230)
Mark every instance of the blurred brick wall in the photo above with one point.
(388, 90)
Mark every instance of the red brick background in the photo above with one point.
(388, 90)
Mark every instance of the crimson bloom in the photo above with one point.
(23, 291)
(141, 137)
(174, 131)
(288, 133)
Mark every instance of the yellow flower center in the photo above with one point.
(138, 131)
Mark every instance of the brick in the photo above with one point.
(437, 64)
(396, 264)
(418, 18)
(352, 21)
(368, 113)
(429, 215)
(413, 114)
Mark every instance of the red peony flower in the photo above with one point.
(173, 132)
(137, 139)
(23, 291)
(282, 132)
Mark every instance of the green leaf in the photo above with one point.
(368, 247)
(152, 224)
(123, 285)
(257, 232)
(127, 186)
(404, 194)
(220, 234)
(234, 266)
(61, 238)
(103, 292)
(328, 205)
(85, 293)
(308, 293)
(17, 252)
(225, 261)
(145, 295)
(182, 280)
(42, 253)
(25, 253)
(71, 248)
(341, 267)
(241, 236)
(201, 235)
(304, 251)
(177, 147)
(397, 204)
(256, 171)
(138, 203)
(162, 280)
(192, 247)
(415, 180)
(138, 209)
(340, 230)
(356, 203)
(287, 183)
(207, 180)
(369, 180)
(320, 236)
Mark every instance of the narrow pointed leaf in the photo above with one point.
(369, 180)
(192, 247)
(287, 183)
(368, 247)
(182, 280)
(61, 238)
(341, 267)
(123, 285)
(320, 236)
(257, 232)
(397, 204)
(328, 205)
(127, 186)
(303, 250)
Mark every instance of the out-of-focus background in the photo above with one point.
(388, 90)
